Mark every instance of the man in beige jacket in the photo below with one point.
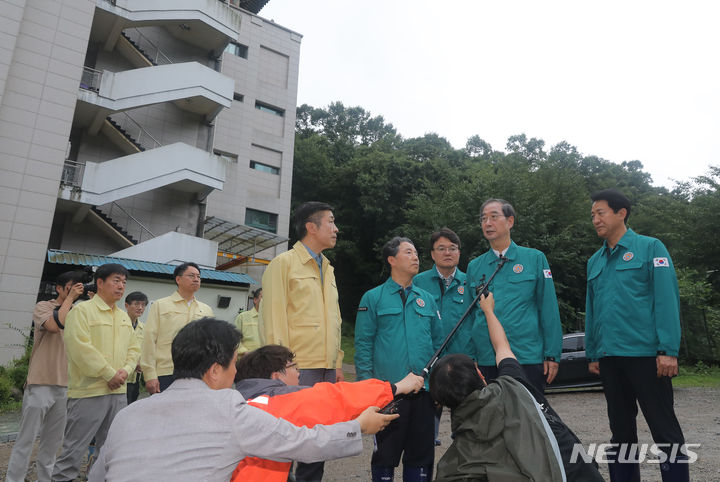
(300, 305)
(166, 317)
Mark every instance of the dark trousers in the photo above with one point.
(133, 392)
(410, 436)
(309, 377)
(629, 381)
(165, 381)
(533, 373)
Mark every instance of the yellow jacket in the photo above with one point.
(166, 317)
(99, 341)
(298, 312)
(139, 334)
(247, 323)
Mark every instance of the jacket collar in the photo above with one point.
(176, 298)
(627, 240)
(100, 304)
(510, 254)
(304, 254)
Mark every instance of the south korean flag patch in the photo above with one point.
(547, 273)
(661, 263)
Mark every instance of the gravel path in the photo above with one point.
(698, 410)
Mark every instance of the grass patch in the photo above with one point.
(698, 375)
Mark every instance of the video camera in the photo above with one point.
(89, 280)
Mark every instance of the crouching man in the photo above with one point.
(199, 428)
(268, 378)
(505, 430)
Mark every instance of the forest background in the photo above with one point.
(382, 185)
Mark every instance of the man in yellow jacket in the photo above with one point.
(101, 348)
(300, 305)
(166, 317)
(247, 323)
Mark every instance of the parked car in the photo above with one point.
(573, 371)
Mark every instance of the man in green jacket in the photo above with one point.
(632, 335)
(397, 331)
(526, 299)
(446, 283)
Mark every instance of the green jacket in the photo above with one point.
(633, 304)
(499, 436)
(392, 340)
(452, 303)
(525, 304)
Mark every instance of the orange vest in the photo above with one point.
(324, 403)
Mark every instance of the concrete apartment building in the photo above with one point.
(151, 130)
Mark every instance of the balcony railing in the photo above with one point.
(72, 173)
(90, 79)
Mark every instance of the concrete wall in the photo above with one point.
(41, 58)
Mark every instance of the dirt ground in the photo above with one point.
(698, 410)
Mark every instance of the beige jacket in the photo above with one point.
(99, 341)
(166, 317)
(299, 312)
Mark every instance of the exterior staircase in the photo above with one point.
(125, 134)
(119, 229)
(138, 48)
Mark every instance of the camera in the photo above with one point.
(89, 280)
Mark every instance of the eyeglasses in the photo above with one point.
(492, 217)
(292, 365)
(192, 276)
(446, 249)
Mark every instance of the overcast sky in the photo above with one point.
(630, 80)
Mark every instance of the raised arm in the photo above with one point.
(497, 332)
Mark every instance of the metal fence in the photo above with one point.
(90, 79)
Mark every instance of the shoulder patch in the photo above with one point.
(362, 308)
(547, 273)
(661, 263)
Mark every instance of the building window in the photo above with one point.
(238, 97)
(259, 166)
(269, 108)
(261, 220)
(237, 49)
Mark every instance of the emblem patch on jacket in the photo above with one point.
(547, 273)
(518, 268)
(628, 256)
(420, 302)
(461, 290)
(661, 263)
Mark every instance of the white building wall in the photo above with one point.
(268, 75)
(41, 58)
